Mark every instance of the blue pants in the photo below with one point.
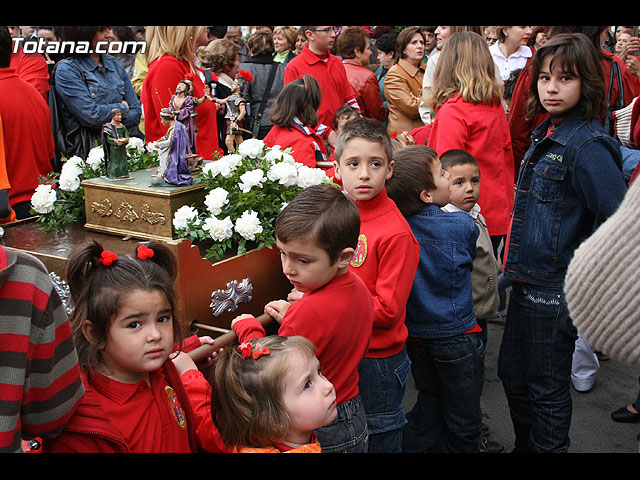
(382, 385)
(448, 373)
(535, 367)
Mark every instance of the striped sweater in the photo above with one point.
(40, 383)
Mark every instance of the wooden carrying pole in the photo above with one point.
(223, 340)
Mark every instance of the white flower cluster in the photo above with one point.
(185, 215)
(69, 180)
(95, 158)
(135, 145)
(252, 166)
(43, 198)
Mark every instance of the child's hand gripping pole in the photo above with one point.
(203, 351)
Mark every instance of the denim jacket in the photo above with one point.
(569, 183)
(441, 300)
(90, 103)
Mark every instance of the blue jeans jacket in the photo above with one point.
(569, 183)
(89, 102)
(441, 301)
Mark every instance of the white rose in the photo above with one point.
(183, 215)
(308, 176)
(219, 229)
(283, 173)
(225, 166)
(69, 181)
(216, 199)
(152, 147)
(251, 179)
(73, 166)
(136, 144)
(248, 225)
(43, 199)
(251, 148)
(95, 157)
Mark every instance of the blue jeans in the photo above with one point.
(535, 367)
(448, 373)
(348, 432)
(382, 385)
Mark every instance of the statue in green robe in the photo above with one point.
(115, 138)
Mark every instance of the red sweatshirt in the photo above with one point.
(337, 318)
(386, 259)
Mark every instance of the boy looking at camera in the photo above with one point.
(386, 259)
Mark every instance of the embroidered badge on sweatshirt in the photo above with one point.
(360, 255)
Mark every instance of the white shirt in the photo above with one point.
(513, 62)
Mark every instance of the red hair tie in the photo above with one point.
(247, 350)
(107, 258)
(144, 252)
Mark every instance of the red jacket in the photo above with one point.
(90, 431)
(366, 89)
(481, 130)
(159, 84)
(332, 78)
(27, 135)
(521, 128)
(307, 147)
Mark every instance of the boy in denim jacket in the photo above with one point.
(444, 337)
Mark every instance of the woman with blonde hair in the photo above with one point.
(466, 97)
(171, 56)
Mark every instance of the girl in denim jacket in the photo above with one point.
(570, 181)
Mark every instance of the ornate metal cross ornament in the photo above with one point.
(229, 299)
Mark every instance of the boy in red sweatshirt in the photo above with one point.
(317, 234)
(386, 259)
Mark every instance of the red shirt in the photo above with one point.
(337, 318)
(481, 130)
(158, 86)
(332, 78)
(150, 419)
(386, 259)
(306, 146)
(27, 135)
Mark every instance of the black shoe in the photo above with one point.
(488, 446)
(623, 415)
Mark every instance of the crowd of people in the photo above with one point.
(471, 161)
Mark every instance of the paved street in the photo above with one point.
(592, 430)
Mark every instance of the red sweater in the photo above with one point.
(386, 259)
(481, 130)
(337, 318)
(159, 84)
(27, 135)
(332, 78)
(306, 146)
(91, 431)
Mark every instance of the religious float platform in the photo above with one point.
(121, 213)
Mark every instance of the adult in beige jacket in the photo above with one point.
(403, 82)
